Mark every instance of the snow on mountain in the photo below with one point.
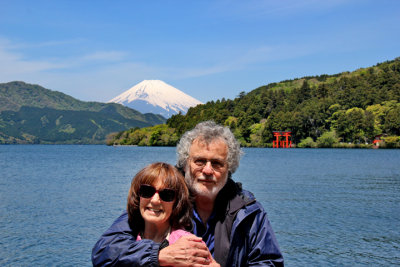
(155, 96)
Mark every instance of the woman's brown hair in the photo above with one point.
(171, 178)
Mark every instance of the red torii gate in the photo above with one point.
(283, 143)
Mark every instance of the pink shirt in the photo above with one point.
(176, 234)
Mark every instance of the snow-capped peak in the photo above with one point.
(155, 96)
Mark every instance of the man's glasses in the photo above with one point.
(148, 191)
(216, 164)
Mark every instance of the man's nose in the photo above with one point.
(208, 169)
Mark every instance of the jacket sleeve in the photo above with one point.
(264, 248)
(118, 247)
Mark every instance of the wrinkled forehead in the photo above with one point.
(214, 148)
(208, 140)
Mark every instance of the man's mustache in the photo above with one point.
(208, 178)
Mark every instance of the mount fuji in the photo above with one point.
(155, 96)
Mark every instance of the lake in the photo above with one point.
(328, 207)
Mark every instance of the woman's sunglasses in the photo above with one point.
(148, 191)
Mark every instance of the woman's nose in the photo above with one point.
(155, 198)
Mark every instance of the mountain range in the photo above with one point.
(155, 96)
(33, 114)
(348, 109)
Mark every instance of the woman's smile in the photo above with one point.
(155, 210)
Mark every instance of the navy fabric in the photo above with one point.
(252, 241)
(206, 232)
(118, 247)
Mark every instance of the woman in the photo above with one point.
(159, 205)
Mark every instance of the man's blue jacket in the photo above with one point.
(243, 236)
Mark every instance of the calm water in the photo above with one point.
(328, 207)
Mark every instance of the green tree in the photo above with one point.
(355, 125)
(307, 143)
(392, 122)
(327, 139)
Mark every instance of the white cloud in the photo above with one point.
(105, 56)
(82, 76)
(19, 46)
(13, 65)
(243, 57)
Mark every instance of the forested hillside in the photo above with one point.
(347, 109)
(32, 114)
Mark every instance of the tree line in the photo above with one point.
(349, 109)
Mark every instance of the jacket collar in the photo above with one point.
(231, 198)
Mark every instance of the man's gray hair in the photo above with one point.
(209, 131)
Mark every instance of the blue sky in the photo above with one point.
(209, 49)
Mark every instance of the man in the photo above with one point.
(229, 220)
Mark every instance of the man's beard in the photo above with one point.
(201, 190)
